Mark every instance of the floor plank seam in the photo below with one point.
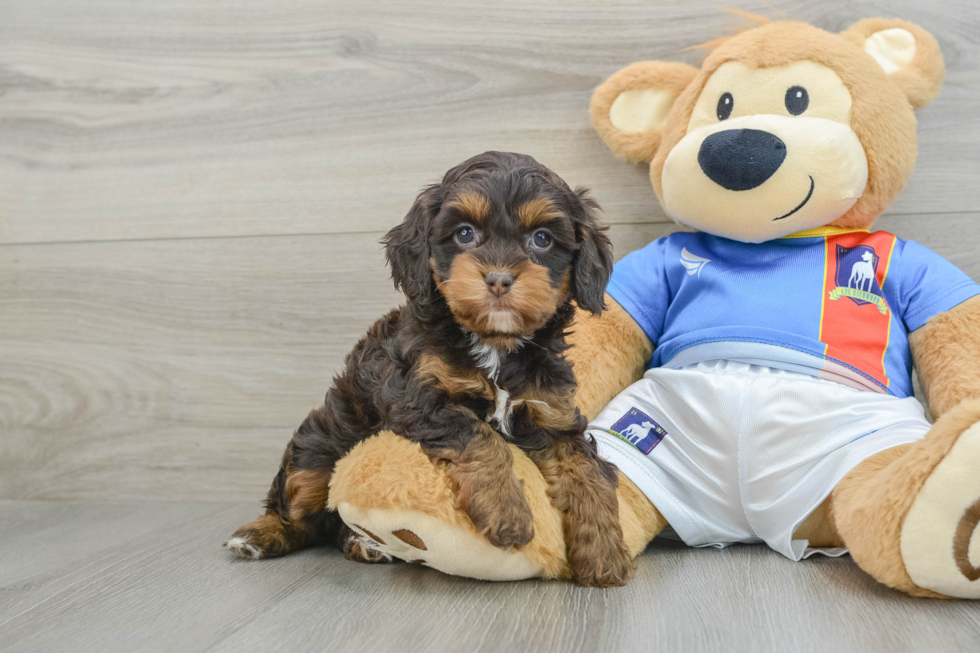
(362, 232)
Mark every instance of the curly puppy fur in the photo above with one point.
(491, 260)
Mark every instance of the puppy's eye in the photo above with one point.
(797, 100)
(541, 239)
(725, 105)
(465, 235)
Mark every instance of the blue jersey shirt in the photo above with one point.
(833, 303)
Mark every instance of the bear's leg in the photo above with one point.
(387, 490)
(910, 515)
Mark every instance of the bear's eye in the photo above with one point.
(797, 100)
(725, 105)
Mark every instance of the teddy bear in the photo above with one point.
(751, 378)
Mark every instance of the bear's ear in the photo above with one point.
(908, 54)
(629, 109)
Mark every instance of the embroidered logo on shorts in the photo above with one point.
(639, 429)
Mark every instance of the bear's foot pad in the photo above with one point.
(454, 549)
(940, 536)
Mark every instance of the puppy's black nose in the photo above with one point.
(499, 282)
(741, 159)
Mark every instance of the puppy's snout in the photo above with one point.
(498, 282)
(741, 159)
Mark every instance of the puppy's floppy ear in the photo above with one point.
(908, 54)
(630, 108)
(407, 247)
(594, 258)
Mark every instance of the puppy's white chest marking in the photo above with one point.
(488, 359)
(502, 411)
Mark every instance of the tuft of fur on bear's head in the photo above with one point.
(785, 127)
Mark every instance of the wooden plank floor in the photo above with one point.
(140, 576)
(191, 197)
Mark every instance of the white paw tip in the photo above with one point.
(240, 547)
(371, 546)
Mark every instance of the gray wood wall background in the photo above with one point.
(191, 197)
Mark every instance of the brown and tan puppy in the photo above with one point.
(490, 260)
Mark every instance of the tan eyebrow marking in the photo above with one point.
(537, 211)
(473, 205)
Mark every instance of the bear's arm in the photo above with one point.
(946, 352)
(609, 352)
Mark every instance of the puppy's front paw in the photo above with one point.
(510, 528)
(502, 515)
(600, 559)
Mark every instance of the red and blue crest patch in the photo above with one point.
(855, 320)
(857, 269)
(639, 429)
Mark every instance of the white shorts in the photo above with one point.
(732, 452)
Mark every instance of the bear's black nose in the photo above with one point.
(741, 159)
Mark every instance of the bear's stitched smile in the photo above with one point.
(808, 196)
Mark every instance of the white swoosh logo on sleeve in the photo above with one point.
(693, 263)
